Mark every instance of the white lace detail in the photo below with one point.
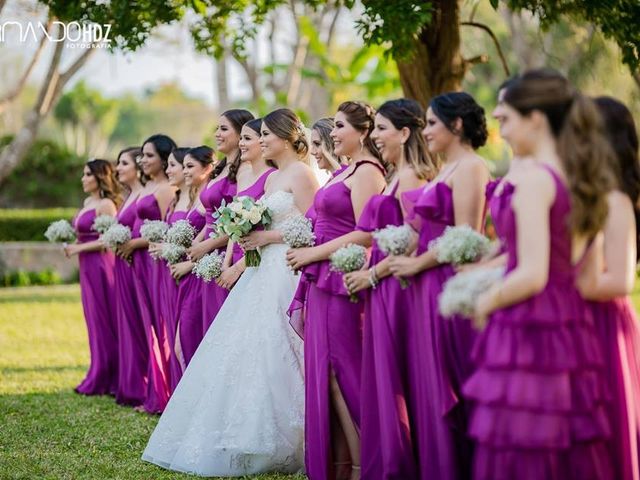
(238, 409)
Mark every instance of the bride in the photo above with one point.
(238, 409)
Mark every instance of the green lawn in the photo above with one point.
(46, 430)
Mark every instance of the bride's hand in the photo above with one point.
(300, 257)
(255, 239)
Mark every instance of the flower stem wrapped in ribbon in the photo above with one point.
(348, 259)
(239, 218)
(394, 240)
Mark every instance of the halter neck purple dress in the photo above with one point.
(538, 390)
(385, 432)
(188, 315)
(332, 331)
(214, 296)
(133, 350)
(97, 289)
(147, 288)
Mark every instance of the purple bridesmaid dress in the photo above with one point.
(188, 315)
(332, 332)
(539, 393)
(387, 448)
(147, 282)
(97, 288)
(214, 296)
(617, 328)
(167, 311)
(133, 351)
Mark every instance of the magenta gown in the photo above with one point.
(167, 301)
(538, 391)
(386, 445)
(188, 314)
(147, 282)
(332, 332)
(133, 351)
(97, 288)
(619, 334)
(214, 296)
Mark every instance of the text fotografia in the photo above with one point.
(75, 34)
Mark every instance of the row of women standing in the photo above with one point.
(392, 390)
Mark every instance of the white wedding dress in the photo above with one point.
(239, 408)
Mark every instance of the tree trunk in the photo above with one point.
(49, 94)
(437, 65)
(221, 81)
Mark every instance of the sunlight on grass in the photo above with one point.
(46, 430)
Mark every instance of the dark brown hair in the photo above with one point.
(448, 107)
(361, 116)
(179, 153)
(105, 174)
(285, 124)
(164, 145)
(135, 153)
(237, 118)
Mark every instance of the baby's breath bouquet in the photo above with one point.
(348, 259)
(239, 218)
(394, 240)
(172, 253)
(153, 230)
(60, 231)
(102, 223)
(461, 291)
(297, 232)
(115, 236)
(180, 233)
(460, 245)
(209, 266)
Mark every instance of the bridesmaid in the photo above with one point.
(251, 183)
(97, 278)
(387, 450)
(167, 287)
(611, 281)
(333, 328)
(222, 186)
(438, 349)
(133, 351)
(198, 165)
(538, 390)
(153, 201)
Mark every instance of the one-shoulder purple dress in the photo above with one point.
(147, 288)
(214, 296)
(133, 350)
(385, 431)
(188, 314)
(332, 331)
(539, 392)
(97, 288)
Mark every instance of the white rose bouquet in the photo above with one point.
(239, 218)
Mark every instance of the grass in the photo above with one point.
(46, 430)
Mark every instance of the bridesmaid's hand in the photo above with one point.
(71, 249)
(403, 266)
(300, 257)
(229, 277)
(197, 251)
(126, 250)
(181, 269)
(485, 305)
(357, 281)
(255, 239)
(155, 248)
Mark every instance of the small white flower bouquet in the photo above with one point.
(460, 245)
(349, 259)
(180, 233)
(394, 240)
(115, 236)
(153, 230)
(297, 232)
(239, 218)
(102, 223)
(209, 266)
(60, 231)
(172, 253)
(461, 291)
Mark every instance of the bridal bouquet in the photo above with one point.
(153, 230)
(241, 217)
(459, 245)
(461, 291)
(349, 259)
(102, 223)
(115, 236)
(394, 240)
(180, 233)
(209, 266)
(60, 231)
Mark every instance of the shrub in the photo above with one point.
(21, 278)
(18, 225)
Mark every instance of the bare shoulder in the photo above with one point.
(473, 165)
(408, 180)
(620, 205)
(368, 169)
(106, 206)
(534, 184)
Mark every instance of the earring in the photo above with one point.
(361, 144)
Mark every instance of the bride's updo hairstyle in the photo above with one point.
(449, 107)
(285, 124)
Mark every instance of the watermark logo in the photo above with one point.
(75, 34)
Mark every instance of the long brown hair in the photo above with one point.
(324, 126)
(105, 174)
(134, 153)
(179, 153)
(237, 118)
(204, 156)
(361, 116)
(285, 124)
(581, 142)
